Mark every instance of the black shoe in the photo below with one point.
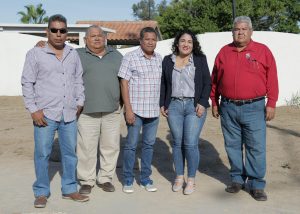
(234, 187)
(258, 194)
(85, 189)
(107, 187)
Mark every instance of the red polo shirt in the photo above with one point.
(248, 74)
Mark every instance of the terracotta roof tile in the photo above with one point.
(125, 30)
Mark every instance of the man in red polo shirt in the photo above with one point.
(244, 74)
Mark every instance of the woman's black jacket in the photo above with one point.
(202, 81)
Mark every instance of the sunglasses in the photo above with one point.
(55, 30)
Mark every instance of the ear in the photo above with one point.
(251, 32)
(84, 39)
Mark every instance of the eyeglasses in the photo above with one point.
(55, 30)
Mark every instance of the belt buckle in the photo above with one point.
(239, 102)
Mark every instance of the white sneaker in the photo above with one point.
(149, 187)
(128, 188)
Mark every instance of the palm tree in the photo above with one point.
(34, 15)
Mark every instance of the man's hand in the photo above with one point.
(270, 113)
(41, 44)
(129, 117)
(163, 111)
(39, 118)
(200, 110)
(79, 110)
(215, 112)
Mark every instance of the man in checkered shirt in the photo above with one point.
(140, 74)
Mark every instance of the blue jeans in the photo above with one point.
(244, 128)
(149, 130)
(185, 127)
(43, 139)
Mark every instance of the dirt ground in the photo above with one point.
(283, 172)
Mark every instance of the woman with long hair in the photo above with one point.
(185, 89)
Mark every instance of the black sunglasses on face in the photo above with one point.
(55, 30)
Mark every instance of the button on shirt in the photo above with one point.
(144, 76)
(183, 84)
(52, 85)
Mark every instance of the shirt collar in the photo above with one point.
(191, 59)
(249, 47)
(142, 54)
(107, 50)
(47, 49)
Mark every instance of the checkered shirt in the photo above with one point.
(144, 76)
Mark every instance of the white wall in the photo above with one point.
(285, 47)
(13, 49)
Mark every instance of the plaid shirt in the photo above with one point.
(144, 76)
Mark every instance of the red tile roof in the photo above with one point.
(125, 30)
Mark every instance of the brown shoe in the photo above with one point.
(234, 187)
(40, 202)
(107, 187)
(85, 189)
(259, 194)
(76, 196)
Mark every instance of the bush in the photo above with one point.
(294, 101)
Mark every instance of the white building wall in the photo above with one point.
(285, 47)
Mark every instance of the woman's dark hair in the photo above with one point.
(196, 45)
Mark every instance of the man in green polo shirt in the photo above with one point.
(99, 122)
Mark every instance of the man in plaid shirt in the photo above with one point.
(140, 74)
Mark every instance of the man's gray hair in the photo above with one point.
(94, 27)
(244, 19)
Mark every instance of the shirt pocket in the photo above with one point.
(252, 65)
(70, 69)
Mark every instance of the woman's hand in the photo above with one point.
(200, 110)
(164, 111)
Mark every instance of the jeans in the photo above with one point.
(43, 139)
(149, 129)
(185, 127)
(244, 128)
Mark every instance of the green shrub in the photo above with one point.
(294, 101)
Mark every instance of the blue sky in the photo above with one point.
(73, 10)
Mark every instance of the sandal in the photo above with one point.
(178, 183)
(190, 187)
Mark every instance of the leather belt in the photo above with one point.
(182, 98)
(241, 102)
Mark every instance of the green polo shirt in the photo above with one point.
(100, 77)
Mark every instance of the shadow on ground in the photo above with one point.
(211, 163)
(162, 160)
(284, 131)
